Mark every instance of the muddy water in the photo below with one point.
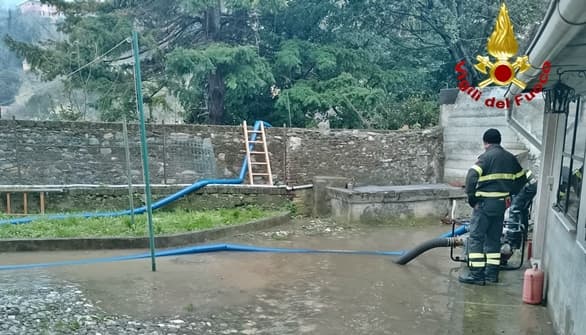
(308, 293)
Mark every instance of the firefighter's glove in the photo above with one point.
(472, 200)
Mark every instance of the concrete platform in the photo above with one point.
(382, 204)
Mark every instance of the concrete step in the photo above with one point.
(474, 134)
(476, 111)
(472, 121)
(464, 162)
(479, 128)
(459, 164)
(521, 155)
(464, 156)
(451, 174)
(476, 148)
(463, 126)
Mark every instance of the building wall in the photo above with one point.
(55, 153)
(464, 120)
(559, 245)
(35, 7)
(565, 265)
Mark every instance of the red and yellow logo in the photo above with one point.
(502, 45)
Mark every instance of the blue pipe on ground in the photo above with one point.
(223, 247)
(156, 205)
(198, 250)
(463, 229)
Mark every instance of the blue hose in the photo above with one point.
(158, 204)
(463, 229)
(215, 248)
(198, 250)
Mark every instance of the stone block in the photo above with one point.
(389, 203)
(321, 197)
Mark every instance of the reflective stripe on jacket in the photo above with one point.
(496, 174)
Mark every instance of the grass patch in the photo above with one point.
(165, 223)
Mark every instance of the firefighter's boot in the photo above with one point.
(473, 276)
(492, 273)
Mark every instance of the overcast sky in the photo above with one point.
(9, 3)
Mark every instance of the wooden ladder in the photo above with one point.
(257, 148)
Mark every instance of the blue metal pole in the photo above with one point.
(144, 148)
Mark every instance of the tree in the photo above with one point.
(233, 75)
(349, 76)
(458, 27)
(356, 64)
(214, 30)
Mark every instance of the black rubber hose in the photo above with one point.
(423, 247)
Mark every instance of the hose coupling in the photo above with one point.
(455, 241)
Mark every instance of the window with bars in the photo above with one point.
(572, 169)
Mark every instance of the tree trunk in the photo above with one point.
(213, 24)
(216, 93)
(216, 87)
(473, 75)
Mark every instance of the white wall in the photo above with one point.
(559, 245)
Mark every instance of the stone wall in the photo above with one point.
(53, 153)
(103, 199)
(366, 157)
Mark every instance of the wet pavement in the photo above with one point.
(243, 293)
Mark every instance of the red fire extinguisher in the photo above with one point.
(533, 286)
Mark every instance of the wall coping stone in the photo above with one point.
(123, 189)
(403, 193)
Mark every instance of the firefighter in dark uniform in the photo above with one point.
(521, 202)
(489, 184)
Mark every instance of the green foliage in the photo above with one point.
(164, 222)
(440, 31)
(245, 74)
(356, 64)
(349, 88)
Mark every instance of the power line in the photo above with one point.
(97, 59)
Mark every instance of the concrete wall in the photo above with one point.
(558, 244)
(529, 115)
(37, 153)
(395, 203)
(464, 120)
(565, 264)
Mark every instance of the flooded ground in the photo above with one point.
(237, 293)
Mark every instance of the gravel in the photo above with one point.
(314, 227)
(34, 303)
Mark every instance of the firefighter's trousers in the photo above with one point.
(484, 242)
